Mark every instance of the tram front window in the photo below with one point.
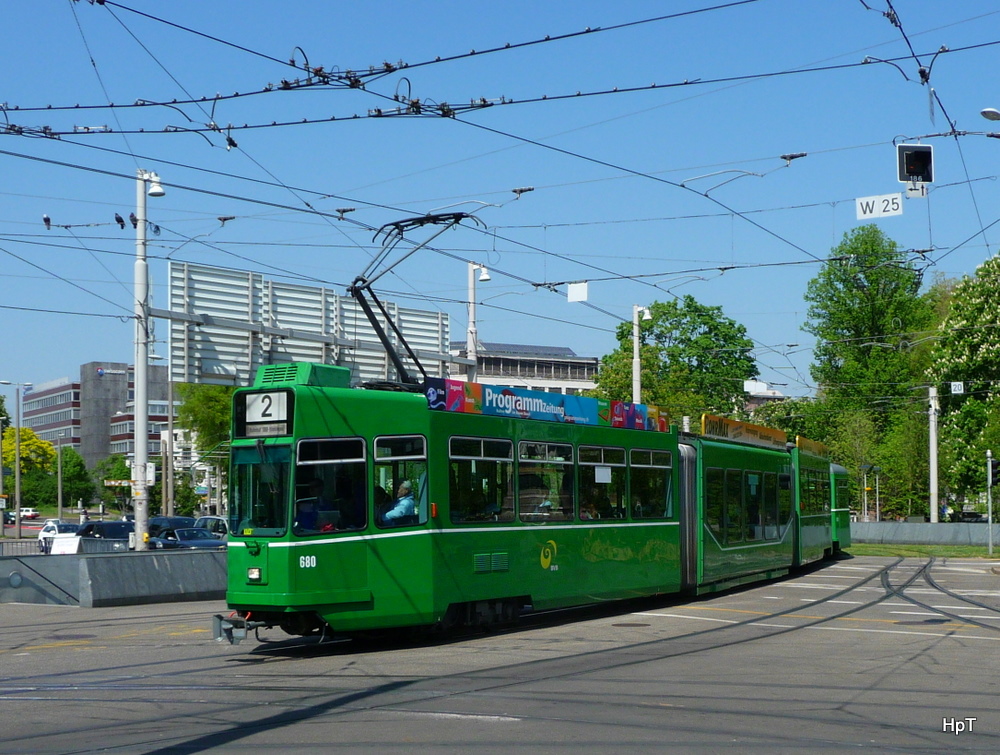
(259, 503)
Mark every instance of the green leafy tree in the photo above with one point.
(206, 410)
(113, 468)
(864, 307)
(78, 484)
(796, 416)
(38, 489)
(694, 359)
(854, 443)
(186, 500)
(968, 351)
(903, 457)
(35, 452)
(4, 416)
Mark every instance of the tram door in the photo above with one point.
(688, 486)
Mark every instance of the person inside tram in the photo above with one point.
(596, 502)
(549, 503)
(404, 506)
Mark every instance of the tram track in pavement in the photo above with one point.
(892, 586)
(924, 574)
(418, 695)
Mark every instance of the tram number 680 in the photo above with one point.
(307, 562)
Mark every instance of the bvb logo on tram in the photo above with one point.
(549, 552)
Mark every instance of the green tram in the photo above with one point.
(355, 509)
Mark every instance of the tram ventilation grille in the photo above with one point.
(484, 563)
(278, 373)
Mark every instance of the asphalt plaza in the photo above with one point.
(866, 652)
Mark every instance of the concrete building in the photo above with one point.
(555, 369)
(759, 393)
(94, 413)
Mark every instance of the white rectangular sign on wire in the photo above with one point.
(882, 206)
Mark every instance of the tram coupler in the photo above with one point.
(233, 628)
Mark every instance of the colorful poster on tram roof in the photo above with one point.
(497, 401)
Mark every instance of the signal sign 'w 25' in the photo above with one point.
(884, 205)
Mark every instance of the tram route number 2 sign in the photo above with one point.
(881, 206)
(266, 414)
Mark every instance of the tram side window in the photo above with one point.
(603, 483)
(259, 502)
(400, 480)
(330, 490)
(815, 492)
(545, 482)
(784, 500)
(715, 493)
(825, 492)
(771, 512)
(753, 498)
(650, 484)
(734, 507)
(481, 475)
(841, 491)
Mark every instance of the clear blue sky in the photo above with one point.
(664, 184)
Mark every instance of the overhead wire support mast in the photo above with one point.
(362, 285)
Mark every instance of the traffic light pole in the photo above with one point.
(989, 500)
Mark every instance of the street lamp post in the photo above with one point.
(878, 503)
(17, 454)
(144, 178)
(59, 494)
(637, 311)
(989, 500)
(932, 416)
(472, 337)
(864, 485)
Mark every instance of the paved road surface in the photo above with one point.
(863, 653)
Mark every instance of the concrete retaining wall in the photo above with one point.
(924, 533)
(114, 579)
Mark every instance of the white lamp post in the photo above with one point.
(989, 501)
(141, 374)
(637, 311)
(17, 454)
(472, 337)
(59, 494)
(932, 415)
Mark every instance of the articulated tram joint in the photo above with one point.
(233, 628)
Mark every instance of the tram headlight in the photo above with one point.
(253, 574)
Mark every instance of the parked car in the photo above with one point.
(107, 530)
(96, 537)
(8, 517)
(50, 529)
(159, 523)
(970, 516)
(186, 537)
(29, 513)
(217, 525)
